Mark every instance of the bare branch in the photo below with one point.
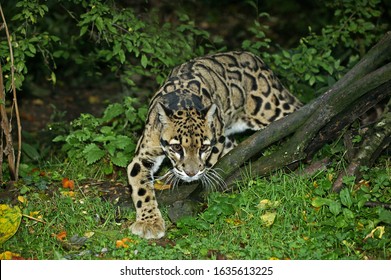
(15, 101)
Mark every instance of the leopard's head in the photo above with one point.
(187, 138)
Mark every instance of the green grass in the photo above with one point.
(310, 223)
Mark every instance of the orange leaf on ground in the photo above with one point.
(124, 242)
(60, 236)
(68, 184)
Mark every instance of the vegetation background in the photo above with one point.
(84, 71)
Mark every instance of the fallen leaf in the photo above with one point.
(268, 204)
(68, 184)
(10, 218)
(60, 236)
(22, 199)
(268, 218)
(7, 255)
(68, 193)
(89, 234)
(124, 242)
(234, 222)
(372, 233)
(160, 186)
(35, 214)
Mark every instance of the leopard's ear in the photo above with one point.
(164, 113)
(211, 111)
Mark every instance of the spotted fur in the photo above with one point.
(190, 121)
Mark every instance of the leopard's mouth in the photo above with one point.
(207, 176)
(187, 178)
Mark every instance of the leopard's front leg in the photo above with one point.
(149, 222)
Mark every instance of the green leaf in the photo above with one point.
(345, 197)
(30, 151)
(120, 159)
(335, 207)
(59, 138)
(99, 23)
(53, 78)
(385, 216)
(112, 111)
(83, 30)
(121, 142)
(341, 222)
(93, 153)
(319, 202)
(348, 214)
(144, 61)
(121, 55)
(32, 48)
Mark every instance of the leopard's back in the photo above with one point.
(247, 93)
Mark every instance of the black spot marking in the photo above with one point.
(221, 139)
(276, 102)
(206, 93)
(163, 142)
(215, 150)
(261, 124)
(276, 115)
(258, 104)
(147, 164)
(139, 204)
(147, 199)
(135, 170)
(142, 192)
(268, 106)
(286, 106)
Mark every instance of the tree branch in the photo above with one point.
(15, 100)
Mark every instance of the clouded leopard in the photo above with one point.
(190, 119)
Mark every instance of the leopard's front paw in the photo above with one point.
(149, 229)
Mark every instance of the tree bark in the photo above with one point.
(377, 138)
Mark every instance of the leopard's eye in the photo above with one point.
(204, 148)
(176, 147)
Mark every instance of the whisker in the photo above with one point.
(216, 178)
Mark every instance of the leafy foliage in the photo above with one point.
(321, 59)
(103, 139)
(27, 43)
(95, 33)
(121, 36)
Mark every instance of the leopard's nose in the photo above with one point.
(191, 173)
(192, 170)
